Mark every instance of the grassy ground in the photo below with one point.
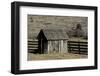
(32, 56)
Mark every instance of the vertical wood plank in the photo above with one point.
(48, 47)
(66, 46)
(61, 46)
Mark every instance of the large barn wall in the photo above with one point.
(35, 23)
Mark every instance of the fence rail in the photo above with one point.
(32, 45)
(78, 47)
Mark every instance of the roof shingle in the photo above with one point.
(55, 34)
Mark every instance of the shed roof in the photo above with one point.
(55, 34)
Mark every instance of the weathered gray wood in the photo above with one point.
(78, 46)
(32, 45)
(48, 47)
(61, 46)
(45, 48)
(65, 46)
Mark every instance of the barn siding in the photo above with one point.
(65, 46)
(48, 46)
(45, 47)
(59, 46)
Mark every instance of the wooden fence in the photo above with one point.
(73, 46)
(78, 47)
(32, 45)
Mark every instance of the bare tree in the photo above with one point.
(78, 30)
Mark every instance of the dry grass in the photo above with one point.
(32, 56)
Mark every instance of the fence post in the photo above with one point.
(79, 47)
(69, 46)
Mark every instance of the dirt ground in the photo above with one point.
(56, 56)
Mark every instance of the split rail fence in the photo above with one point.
(78, 47)
(73, 46)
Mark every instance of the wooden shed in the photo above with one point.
(52, 41)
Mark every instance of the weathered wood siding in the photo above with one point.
(61, 50)
(65, 50)
(45, 47)
(59, 46)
